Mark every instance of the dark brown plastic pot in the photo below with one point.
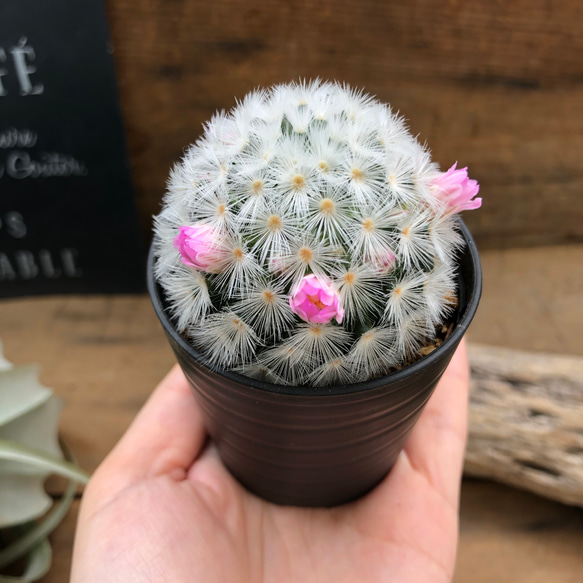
(307, 446)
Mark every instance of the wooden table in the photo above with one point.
(104, 355)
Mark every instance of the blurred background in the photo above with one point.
(496, 86)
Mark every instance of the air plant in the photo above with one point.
(307, 238)
(29, 452)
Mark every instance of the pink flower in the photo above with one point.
(200, 247)
(457, 191)
(316, 301)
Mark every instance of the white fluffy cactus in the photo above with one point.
(308, 238)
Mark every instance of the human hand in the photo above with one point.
(162, 507)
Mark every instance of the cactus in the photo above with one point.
(307, 238)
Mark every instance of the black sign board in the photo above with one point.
(67, 217)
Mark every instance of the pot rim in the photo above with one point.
(465, 319)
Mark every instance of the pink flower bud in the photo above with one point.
(456, 190)
(383, 262)
(314, 300)
(200, 247)
(277, 265)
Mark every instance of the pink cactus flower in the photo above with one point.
(316, 301)
(200, 247)
(457, 191)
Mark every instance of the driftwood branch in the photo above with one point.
(526, 421)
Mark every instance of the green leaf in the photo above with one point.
(38, 564)
(20, 392)
(37, 458)
(29, 415)
(29, 452)
(39, 531)
(4, 364)
(36, 428)
(23, 497)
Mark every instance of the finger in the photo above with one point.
(213, 481)
(436, 445)
(165, 437)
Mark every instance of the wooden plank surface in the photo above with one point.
(532, 300)
(509, 536)
(104, 355)
(494, 85)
